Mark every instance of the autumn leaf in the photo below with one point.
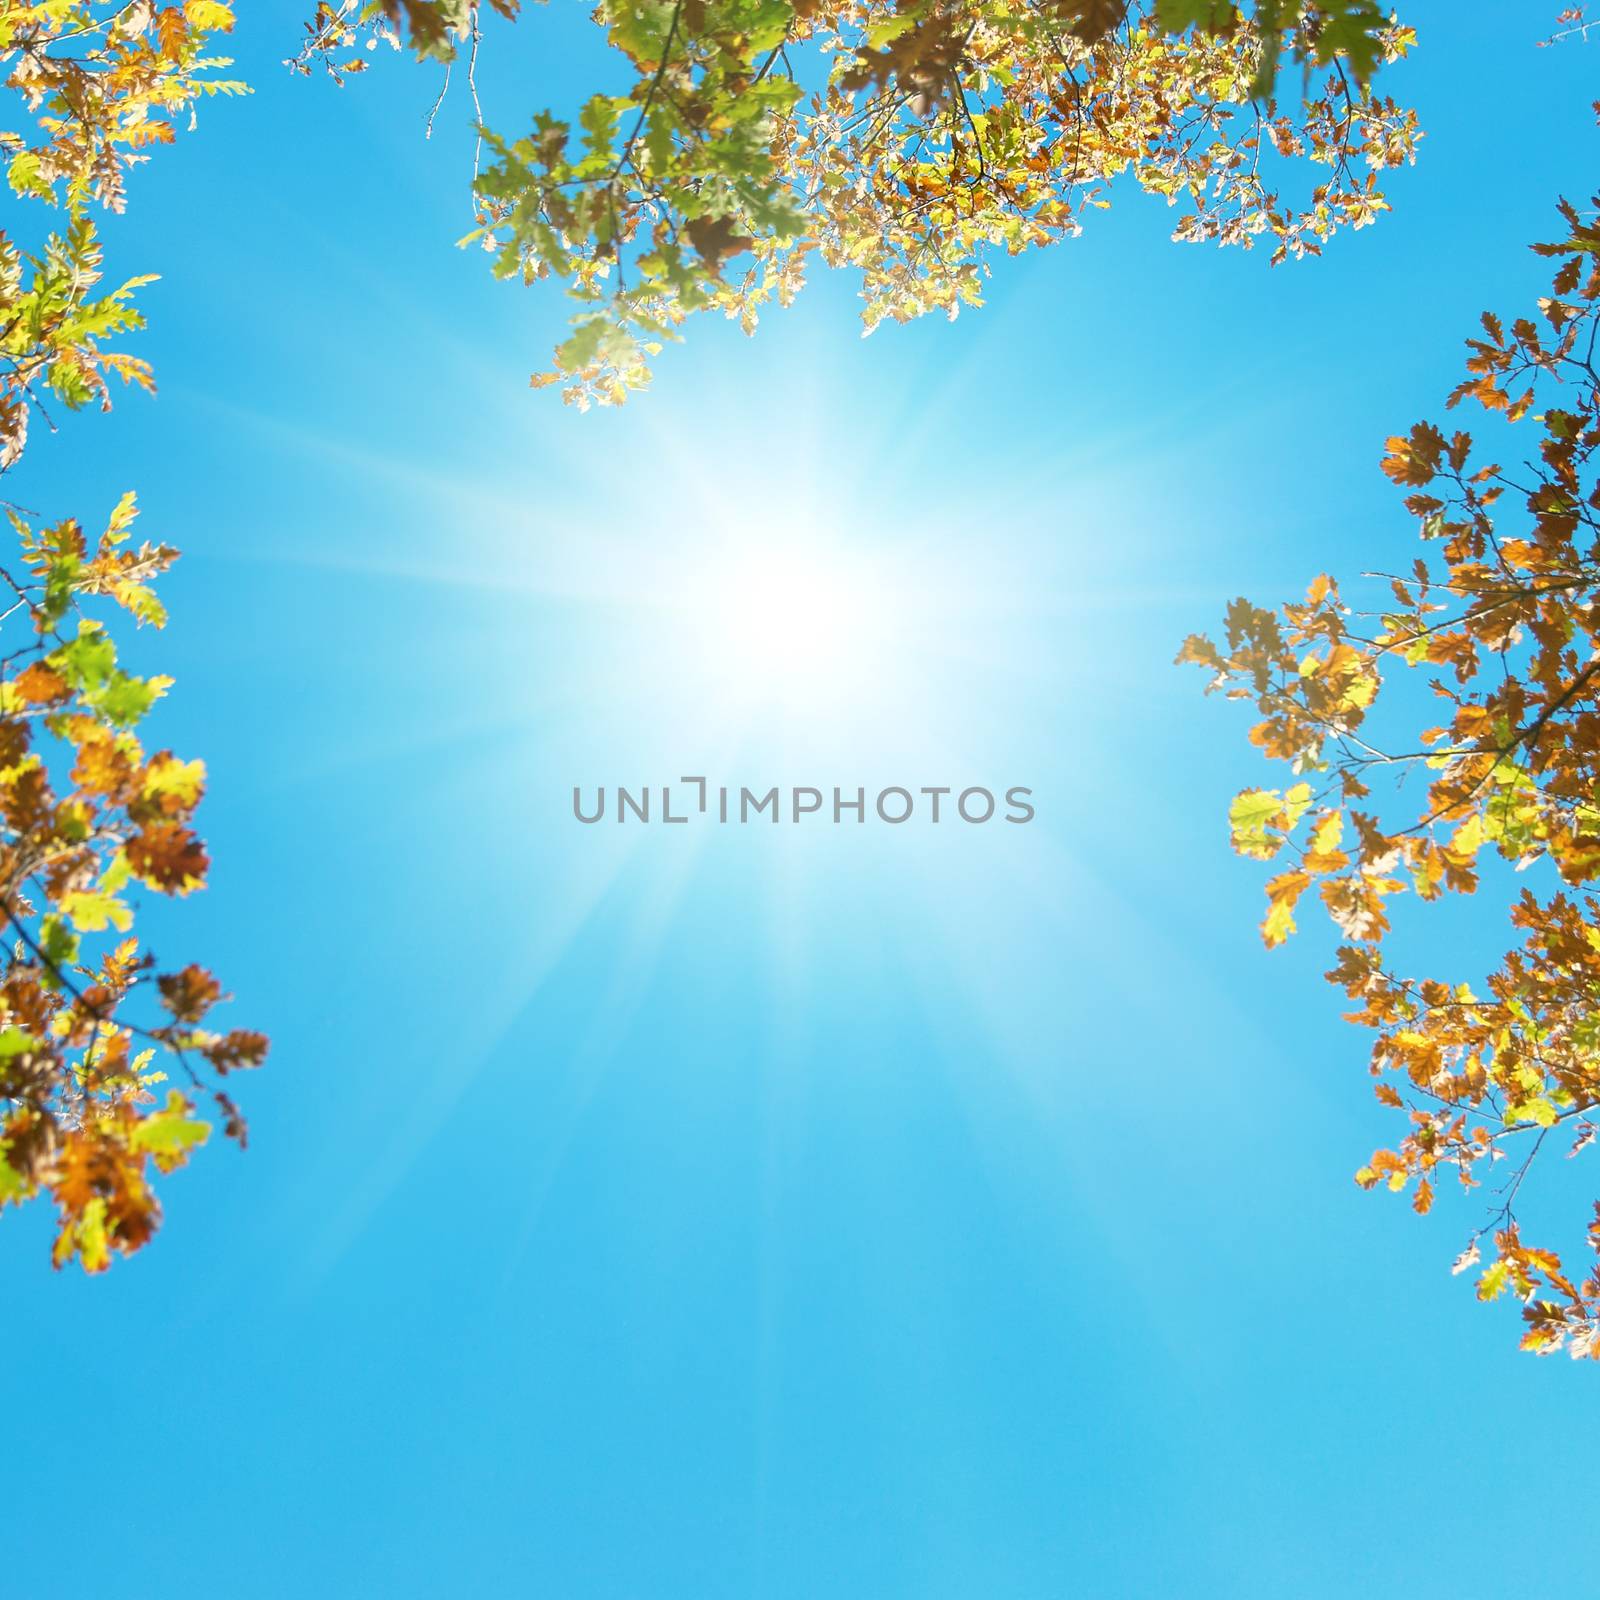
(716, 238)
(38, 685)
(189, 994)
(169, 857)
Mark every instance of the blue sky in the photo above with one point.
(715, 1212)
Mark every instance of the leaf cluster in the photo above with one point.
(1503, 619)
(90, 1032)
(102, 84)
(87, 816)
(908, 140)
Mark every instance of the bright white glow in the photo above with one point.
(784, 624)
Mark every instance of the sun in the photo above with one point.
(792, 622)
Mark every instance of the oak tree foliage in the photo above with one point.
(907, 140)
(1501, 618)
(102, 1057)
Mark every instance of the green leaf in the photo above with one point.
(1251, 811)
(26, 178)
(89, 664)
(58, 944)
(1494, 1281)
(16, 1041)
(87, 661)
(171, 1133)
(92, 911)
(1537, 1110)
